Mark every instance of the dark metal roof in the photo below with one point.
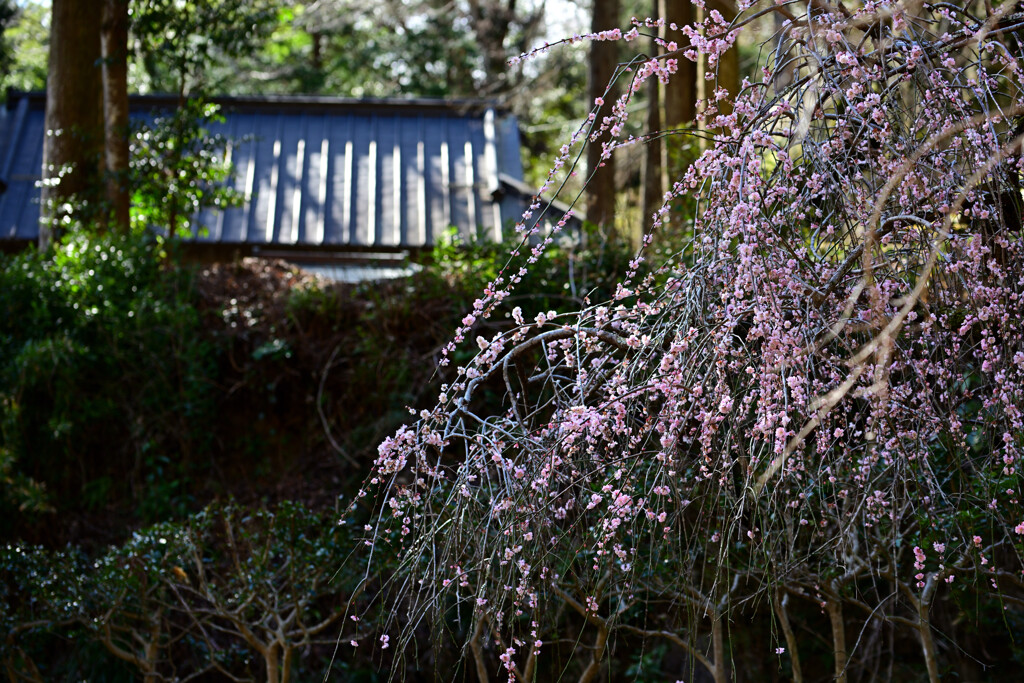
(321, 171)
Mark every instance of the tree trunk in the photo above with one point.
(835, 615)
(74, 110)
(603, 61)
(726, 72)
(652, 186)
(780, 605)
(596, 657)
(681, 91)
(115, 110)
(718, 648)
(924, 627)
(728, 75)
(286, 663)
(491, 24)
(273, 662)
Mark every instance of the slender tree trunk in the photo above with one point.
(653, 194)
(115, 110)
(272, 659)
(726, 73)
(478, 652)
(835, 615)
(780, 606)
(491, 24)
(286, 663)
(924, 627)
(729, 63)
(931, 656)
(718, 648)
(317, 53)
(74, 109)
(596, 657)
(603, 61)
(152, 649)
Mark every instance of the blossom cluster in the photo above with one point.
(829, 372)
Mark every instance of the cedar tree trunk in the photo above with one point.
(115, 110)
(74, 110)
(653, 189)
(604, 58)
(681, 91)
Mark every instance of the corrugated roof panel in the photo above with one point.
(10, 214)
(319, 171)
(364, 182)
(460, 179)
(389, 160)
(232, 226)
(289, 183)
(413, 207)
(313, 179)
(210, 222)
(24, 166)
(267, 156)
(26, 171)
(490, 161)
(338, 208)
(439, 214)
(481, 179)
(27, 226)
(30, 211)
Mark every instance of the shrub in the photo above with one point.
(103, 372)
(213, 594)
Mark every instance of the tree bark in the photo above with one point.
(601, 171)
(115, 111)
(780, 605)
(728, 74)
(680, 99)
(272, 659)
(653, 192)
(718, 647)
(834, 606)
(681, 91)
(74, 110)
(924, 627)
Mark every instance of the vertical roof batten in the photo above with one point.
(250, 178)
(318, 230)
(347, 197)
(470, 188)
(371, 193)
(491, 162)
(229, 149)
(421, 194)
(275, 170)
(398, 232)
(297, 193)
(446, 192)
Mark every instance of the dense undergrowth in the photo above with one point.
(145, 404)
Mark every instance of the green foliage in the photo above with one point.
(180, 599)
(8, 13)
(176, 43)
(179, 168)
(102, 373)
(580, 264)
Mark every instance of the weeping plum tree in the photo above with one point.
(809, 411)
